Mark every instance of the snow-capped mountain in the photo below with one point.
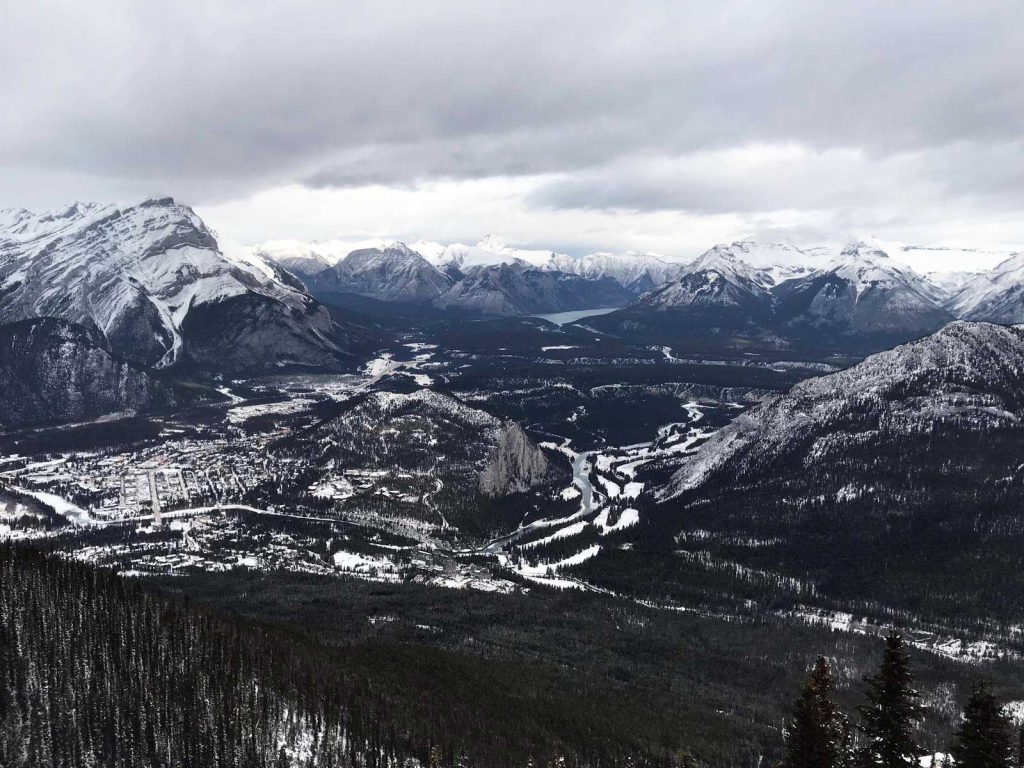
(515, 289)
(717, 300)
(861, 291)
(53, 371)
(309, 257)
(860, 298)
(392, 273)
(774, 262)
(508, 287)
(866, 288)
(996, 296)
(638, 272)
(490, 251)
(151, 279)
(717, 279)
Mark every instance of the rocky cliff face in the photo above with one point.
(54, 371)
(151, 280)
(516, 464)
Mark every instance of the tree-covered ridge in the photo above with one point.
(101, 671)
(887, 735)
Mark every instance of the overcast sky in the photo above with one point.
(574, 125)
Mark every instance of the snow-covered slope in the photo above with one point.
(774, 262)
(394, 273)
(717, 279)
(968, 373)
(996, 296)
(151, 279)
(861, 291)
(307, 257)
(639, 272)
(490, 251)
(515, 289)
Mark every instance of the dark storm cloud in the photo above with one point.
(212, 100)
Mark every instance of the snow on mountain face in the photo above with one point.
(772, 263)
(139, 274)
(861, 291)
(717, 279)
(965, 373)
(639, 272)
(996, 296)
(307, 258)
(395, 273)
(514, 289)
(491, 251)
(54, 371)
(949, 283)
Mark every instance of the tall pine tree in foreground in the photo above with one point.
(819, 735)
(983, 740)
(889, 717)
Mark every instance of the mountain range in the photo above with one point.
(860, 300)
(863, 297)
(396, 272)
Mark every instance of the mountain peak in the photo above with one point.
(494, 244)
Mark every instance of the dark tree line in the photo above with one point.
(819, 735)
(98, 671)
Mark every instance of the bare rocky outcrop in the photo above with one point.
(516, 464)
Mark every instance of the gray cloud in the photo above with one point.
(892, 106)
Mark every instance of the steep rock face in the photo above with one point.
(140, 275)
(516, 464)
(53, 371)
(967, 373)
(512, 289)
(394, 273)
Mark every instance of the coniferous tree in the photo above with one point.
(819, 734)
(1020, 746)
(893, 708)
(983, 740)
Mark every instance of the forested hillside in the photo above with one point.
(100, 671)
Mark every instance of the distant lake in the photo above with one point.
(561, 318)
